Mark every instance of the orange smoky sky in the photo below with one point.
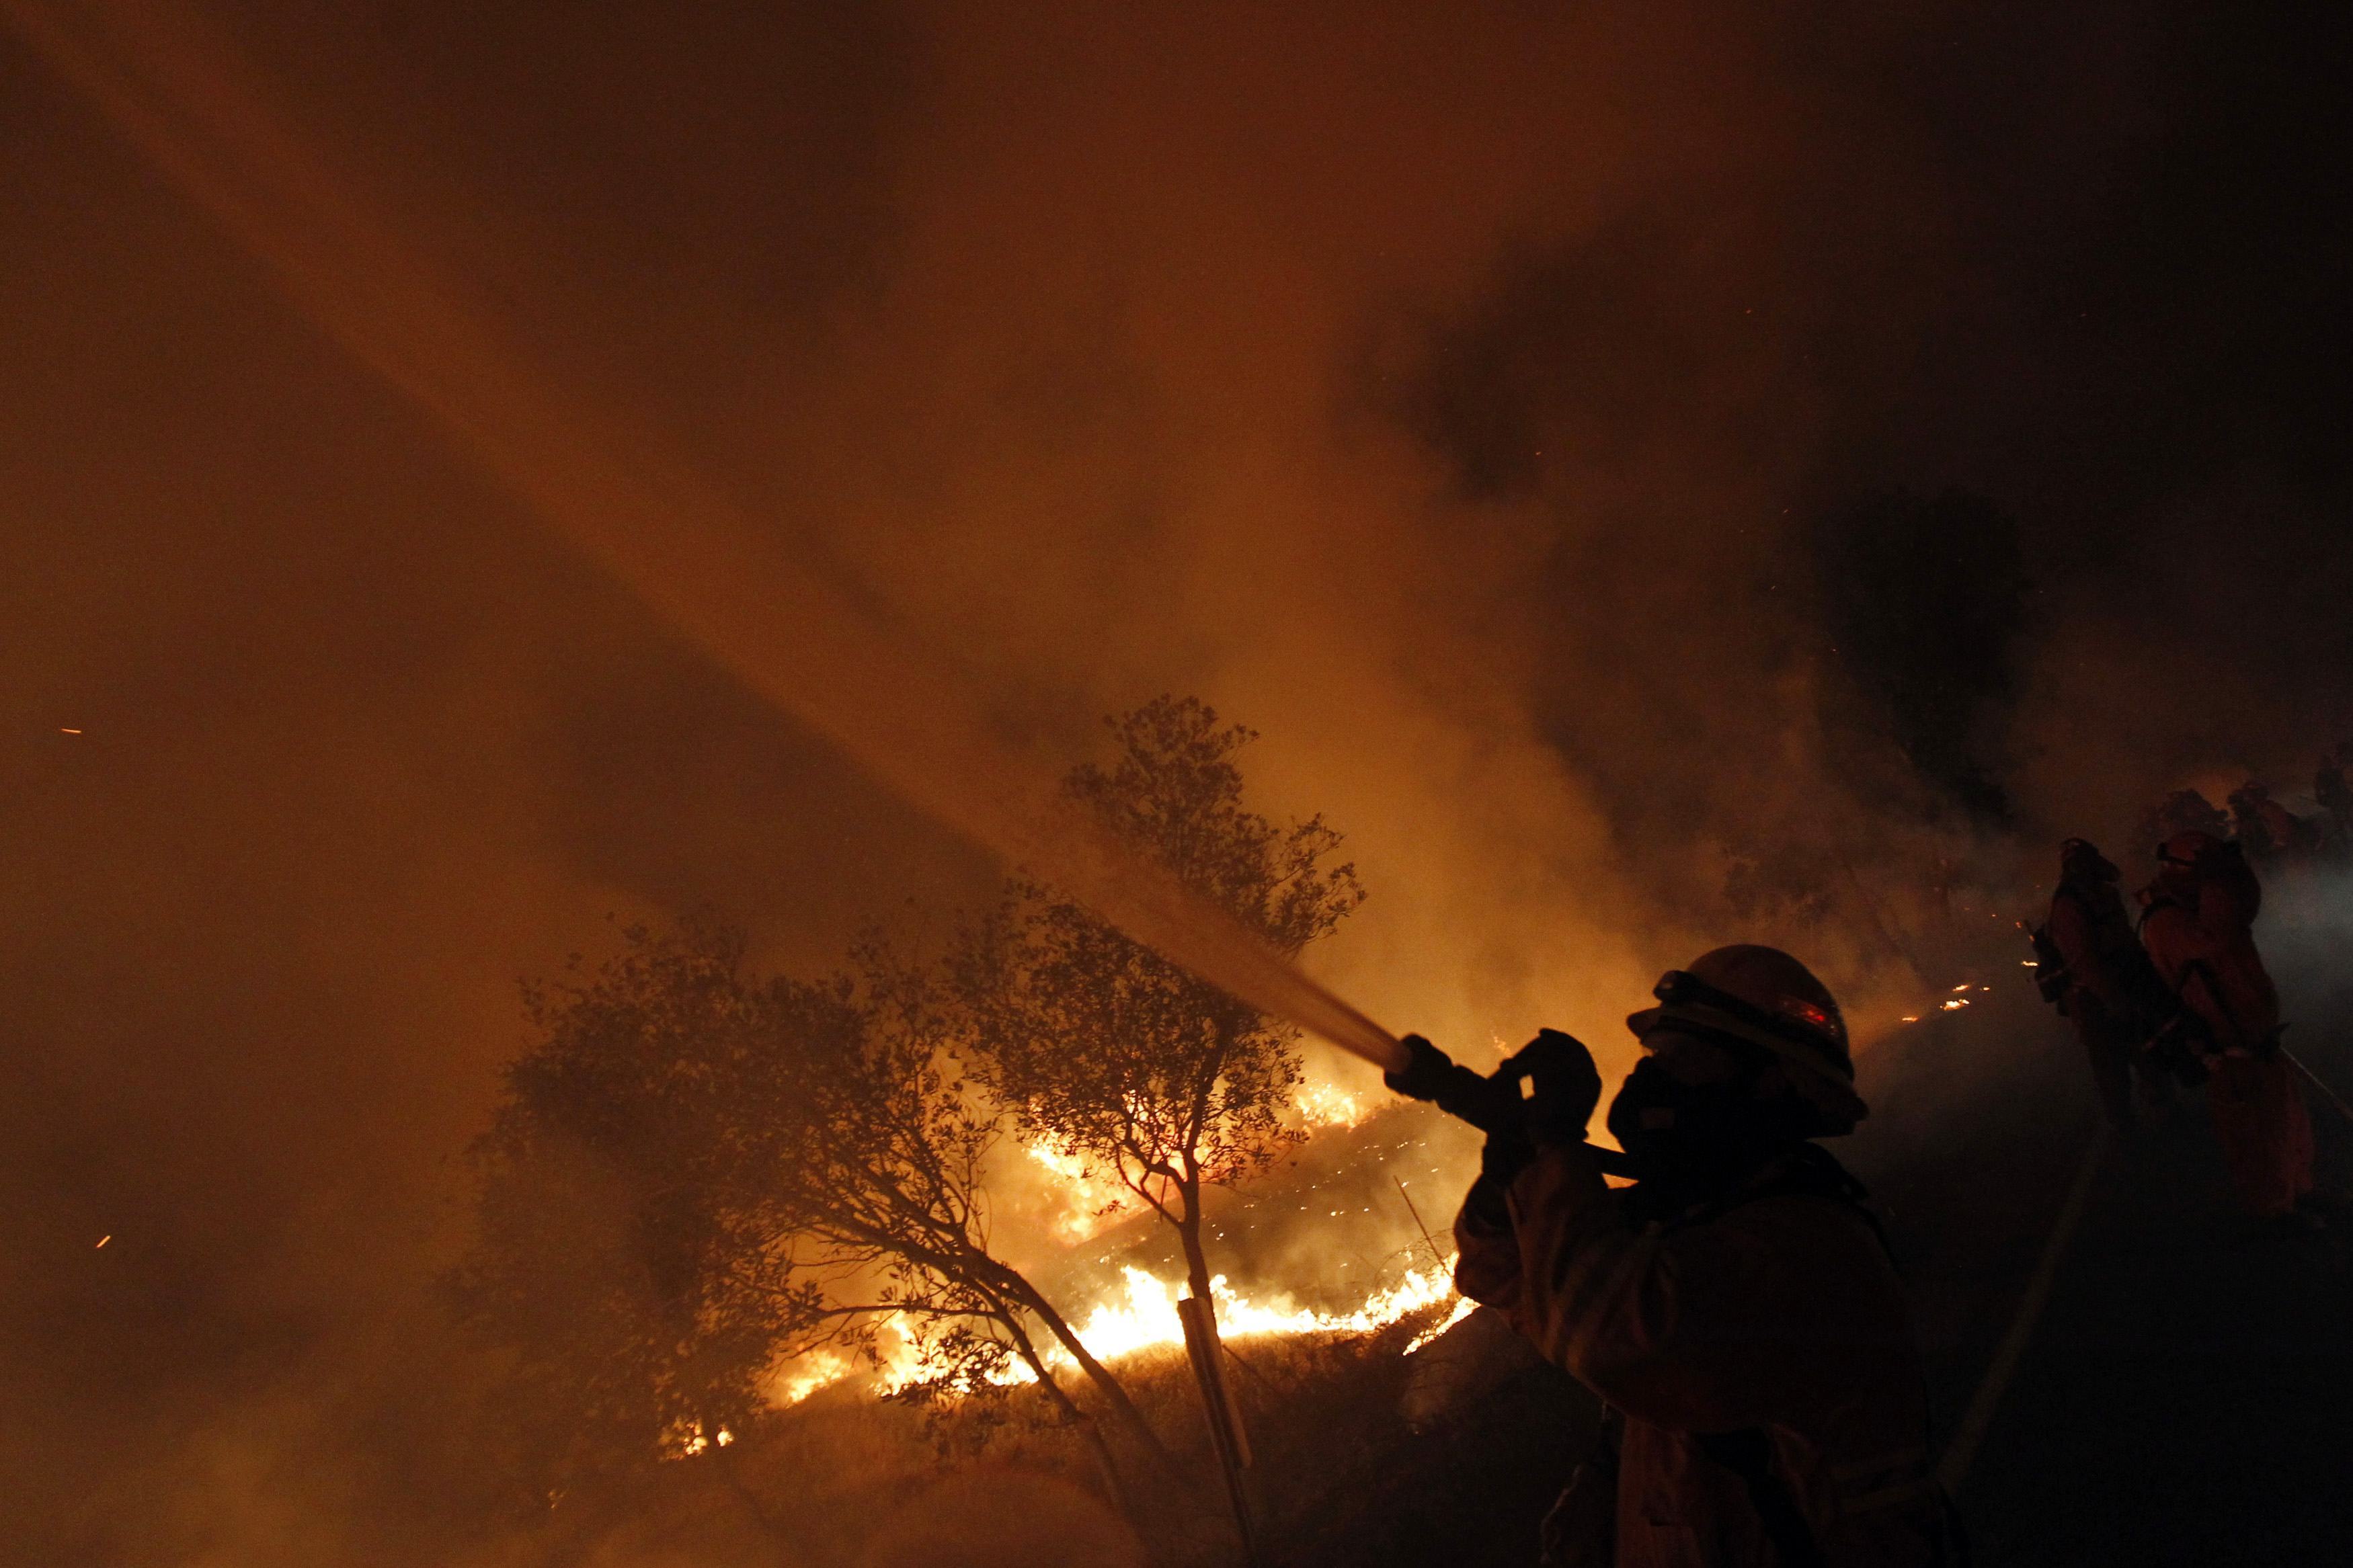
(1455, 394)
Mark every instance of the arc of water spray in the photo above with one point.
(184, 97)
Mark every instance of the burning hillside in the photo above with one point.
(1347, 1235)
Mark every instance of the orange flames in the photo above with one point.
(1327, 1105)
(1143, 1317)
(1086, 1199)
(1083, 1199)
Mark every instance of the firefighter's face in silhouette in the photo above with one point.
(1692, 1099)
(1691, 1059)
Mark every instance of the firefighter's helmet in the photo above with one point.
(2190, 852)
(2080, 860)
(1761, 997)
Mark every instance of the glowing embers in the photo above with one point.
(1084, 1199)
(1327, 1105)
(1954, 1002)
(693, 1442)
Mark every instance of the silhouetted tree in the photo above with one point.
(695, 1176)
(1107, 1051)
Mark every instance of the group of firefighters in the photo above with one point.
(1735, 1306)
(2273, 838)
(2184, 998)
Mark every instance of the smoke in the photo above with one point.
(1456, 399)
(1012, 1519)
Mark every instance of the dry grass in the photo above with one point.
(815, 1484)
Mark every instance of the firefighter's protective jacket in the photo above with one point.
(2091, 931)
(1779, 1317)
(2202, 940)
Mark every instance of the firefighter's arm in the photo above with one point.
(2178, 945)
(2164, 936)
(2070, 932)
(1664, 1327)
(2068, 928)
(1564, 1088)
(1487, 1252)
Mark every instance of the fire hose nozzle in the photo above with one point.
(1495, 1103)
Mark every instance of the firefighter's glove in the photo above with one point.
(1490, 1104)
(1564, 1087)
(1428, 1073)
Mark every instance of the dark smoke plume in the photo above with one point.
(1923, 602)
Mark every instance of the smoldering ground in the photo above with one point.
(1469, 402)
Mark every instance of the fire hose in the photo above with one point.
(2315, 1079)
(1508, 1104)
(184, 93)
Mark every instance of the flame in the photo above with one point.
(1142, 1316)
(1322, 1105)
(695, 1442)
(1088, 1201)
(819, 1369)
(1953, 1006)
(1463, 1307)
(1420, 1288)
(1148, 1315)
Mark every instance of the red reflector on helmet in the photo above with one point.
(1804, 1012)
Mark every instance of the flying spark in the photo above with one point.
(1322, 1105)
